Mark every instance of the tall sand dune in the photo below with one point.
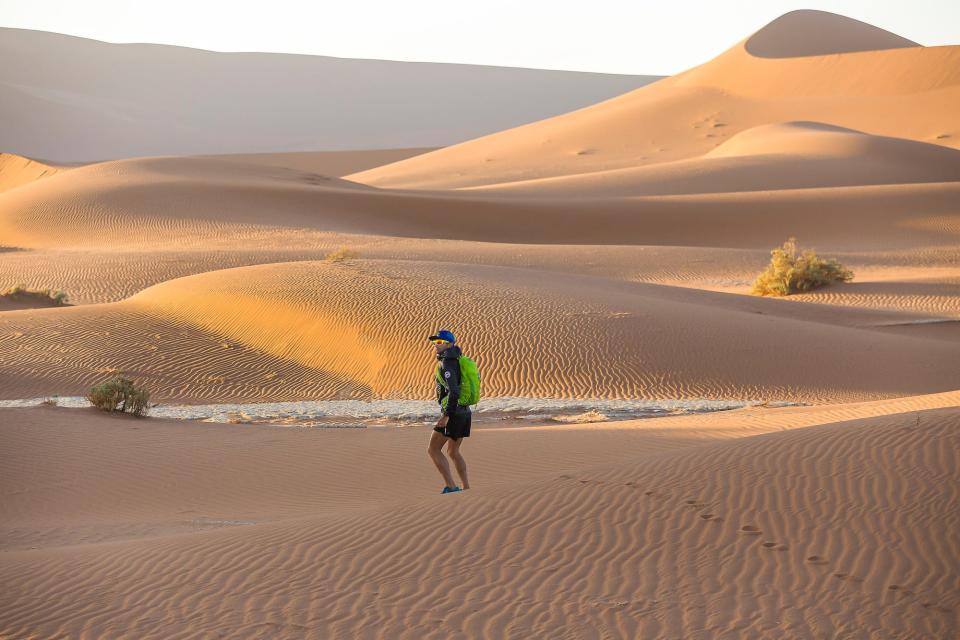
(74, 99)
(848, 144)
(604, 253)
(898, 91)
(795, 522)
(819, 33)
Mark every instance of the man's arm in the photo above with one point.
(451, 373)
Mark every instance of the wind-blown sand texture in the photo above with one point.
(604, 253)
(834, 521)
(356, 330)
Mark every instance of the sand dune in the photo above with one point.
(849, 149)
(601, 254)
(16, 170)
(122, 100)
(210, 203)
(725, 526)
(819, 33)
(322, 330)
(795, 155)
(897, 92)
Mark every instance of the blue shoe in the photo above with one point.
(449, 490)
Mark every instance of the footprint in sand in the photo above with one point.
(846, 577)
(816, 560)
(775, 546)
(695, 504)
(749, 530)
(933, 606)
(900, 589)
(710, 517)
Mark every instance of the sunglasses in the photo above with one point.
(439, 341)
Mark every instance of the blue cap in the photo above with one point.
(443, 334)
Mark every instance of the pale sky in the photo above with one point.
(614, 36)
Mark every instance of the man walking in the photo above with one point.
(454, 423)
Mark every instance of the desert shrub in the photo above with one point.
(119, 394)
(20, 292)
(791, 271)
(341, 254)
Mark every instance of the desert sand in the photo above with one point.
(75, 99)
(835, 521)
(606, 253)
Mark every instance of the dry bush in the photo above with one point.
(793, 272)
(20, 292)
(341, 254)
(119, 394)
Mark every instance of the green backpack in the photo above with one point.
(469, 381)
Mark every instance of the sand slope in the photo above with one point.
(16, 170)
(357, 329)
(211, 203)
(794, 155)
(69, 98)
(733, 525)
(898, 92)
(604, 253)
(847, 144)
(701, 213)
(817, 33)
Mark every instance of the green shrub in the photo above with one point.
(792, 272)
(341, 254)
(119, 394)
(20, 292)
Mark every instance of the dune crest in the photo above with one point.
(600, 261)
(817, 33)
(16, 170)
(897, 92)
(357, 329)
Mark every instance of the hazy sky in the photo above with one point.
(616, 36)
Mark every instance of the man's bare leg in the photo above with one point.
(435, 449)
(453, 450)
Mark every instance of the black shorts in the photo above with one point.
(458, 426)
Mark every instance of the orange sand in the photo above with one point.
(607, 252)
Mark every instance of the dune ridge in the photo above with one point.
(134, 99)
(604, 253)
(208, 204)
(793, 155)
(16, 170)
(687, 115)
(816, 33)
(311, 330)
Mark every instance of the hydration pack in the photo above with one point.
(469, 381)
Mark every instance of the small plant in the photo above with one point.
(119, 394)
(793, 272)
(341, 254)
(20, 292)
